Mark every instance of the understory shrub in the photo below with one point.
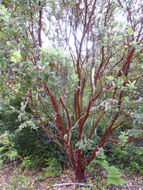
(129, 157)
(22, 139)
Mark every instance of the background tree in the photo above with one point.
(97, 78)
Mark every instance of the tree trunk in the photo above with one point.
(79, 174)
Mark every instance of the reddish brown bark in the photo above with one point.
(80, 173)
(40, 25)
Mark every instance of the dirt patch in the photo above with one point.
(11, 177)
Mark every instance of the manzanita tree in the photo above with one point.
(93, 71)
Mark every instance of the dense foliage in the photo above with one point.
(71, 74)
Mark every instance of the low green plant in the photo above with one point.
(140, 182)
(53, 168)
(8, 152)
(112, 175)
(40, 177)
(134, 166)
(27, 162)
(20, 182)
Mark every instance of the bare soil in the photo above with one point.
(13, 178)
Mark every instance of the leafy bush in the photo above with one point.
(128, 157)
(21, 138)
(8, 152)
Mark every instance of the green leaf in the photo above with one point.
(15, 56)
(110, 78)
(131, 85)
(130, 31)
